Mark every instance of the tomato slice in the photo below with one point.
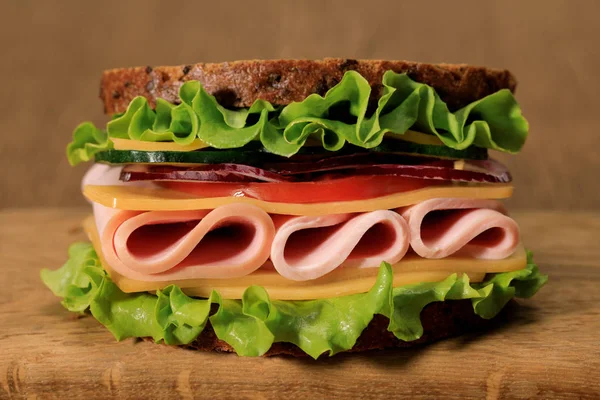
(361, 187)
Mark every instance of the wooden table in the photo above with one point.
(550, 346)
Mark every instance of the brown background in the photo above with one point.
(53, 53)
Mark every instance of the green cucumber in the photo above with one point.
(254, 158)
(402, 146)
(258, 156)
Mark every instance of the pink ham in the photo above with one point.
(309, 247)
(102, 174)
(474, 228)
(108, 175)
(228, 242)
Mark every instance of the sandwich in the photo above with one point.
(301, 207)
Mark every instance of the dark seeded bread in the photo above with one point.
(240, 83)
(440, 320)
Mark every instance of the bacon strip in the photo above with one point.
(475, 228)
(309, 247)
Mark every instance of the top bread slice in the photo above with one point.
(240, 83)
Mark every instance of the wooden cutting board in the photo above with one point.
(549, 347)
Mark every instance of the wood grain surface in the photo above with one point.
(53, 53)
(545, 348)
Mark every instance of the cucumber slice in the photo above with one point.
(258, 156)
(402, 146)
(254, 158)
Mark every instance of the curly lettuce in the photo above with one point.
(341, 116)
(251, 325)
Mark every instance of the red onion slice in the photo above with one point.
(470, 171)
(206, 172)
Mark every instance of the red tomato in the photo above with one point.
(361, 187)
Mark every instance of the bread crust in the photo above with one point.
(240, 83)
(440, 320)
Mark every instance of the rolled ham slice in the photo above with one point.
(228, 242)
(309, 247)
(102, 174)
(475, 228)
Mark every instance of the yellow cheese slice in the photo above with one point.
(197, 144)
(340, 282)
(408, 136)
(155, 198)
(416, 137)
(139, 145)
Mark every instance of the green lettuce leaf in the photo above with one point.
(87, 141)
(341, 116)
(251, 325)
(498, 289)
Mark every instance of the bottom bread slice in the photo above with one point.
(440, 320)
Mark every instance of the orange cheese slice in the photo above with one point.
(197, 144)
(160, 199)
(342, 281)
(140, 145)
